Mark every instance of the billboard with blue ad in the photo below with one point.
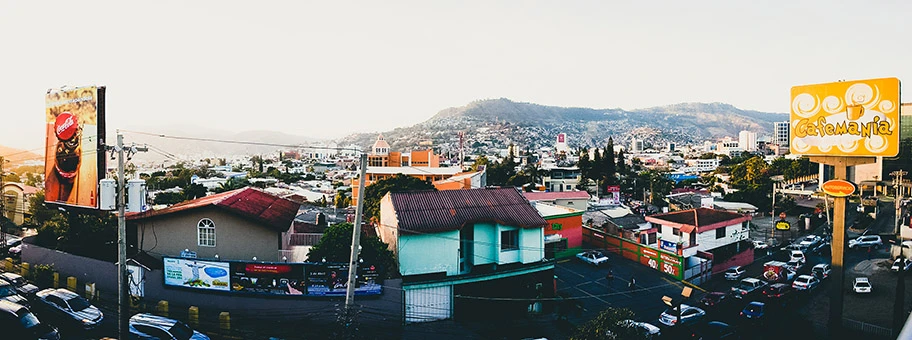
(264, 278)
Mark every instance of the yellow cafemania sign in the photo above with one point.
(847, 118)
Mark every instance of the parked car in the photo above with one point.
(901, 265)
(649, 331)
(822, 246)
(690, 315)
(712, 298)
(760, 245)
(17, 322)
(821, 271)
(747, 286)
(69, 308)
(22, 286)
(797, 247)
(734, 273)
(778, 291)
(797, 255)
(713, 330)
(593, 257)
(805, 282)
(754, 310)
(866, 241)
(810, 241)
(862, 285)
(8, 293)
(148, 326)
(14, 247)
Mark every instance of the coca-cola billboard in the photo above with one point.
(74, 150)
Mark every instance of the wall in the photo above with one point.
(388, 305)
(707, 240)
(236, 238)
(388, 230)
(531, 245)
(429, 253)
(486, 242)
(743, 258)
(580, 204)
(571, 229)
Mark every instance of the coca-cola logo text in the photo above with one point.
(65, 126)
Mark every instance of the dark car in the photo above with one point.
(17, 322)
(713, 330)
(8, 293)
(68, 308)
(778, 291)
(754, 311)
(713, 298)
(22, 286)
(148, 326)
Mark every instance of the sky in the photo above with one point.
(326, 69)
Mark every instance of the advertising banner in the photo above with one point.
(615, 192)
(846, 118)
(301, 279)
(74, 146)
(193, 273)
(669, 246)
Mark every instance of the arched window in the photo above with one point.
(205, 233)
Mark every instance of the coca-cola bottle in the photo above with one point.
(69, 138)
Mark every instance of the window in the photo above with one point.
(676, 231)
(509, 240)
(205, 233)
(720, 233)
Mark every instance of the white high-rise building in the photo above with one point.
(747, 140)
(561, 144)
(781, 134)
(636, 146)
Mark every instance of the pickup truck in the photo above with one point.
(747, 286)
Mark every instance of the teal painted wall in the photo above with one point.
(509, 256)
(429, 253)
(531, 245)
(487, 242)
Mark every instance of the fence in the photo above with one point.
(867, 328)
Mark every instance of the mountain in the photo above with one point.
(18, 157)
(496, 123)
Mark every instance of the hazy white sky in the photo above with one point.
(330, 68)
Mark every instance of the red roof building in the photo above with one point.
(700, 229)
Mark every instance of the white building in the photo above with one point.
(701, 229)
(748, 141)
(781, 133)
(561, 144)
(636, 146)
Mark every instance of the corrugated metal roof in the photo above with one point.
(435, 211)
(247, 202)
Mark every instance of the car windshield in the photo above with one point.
(78, 303)
(745, 285)
(7, 290)
(732, 271)
(754, 308)
(802, 280)
(672, 311)
(863, 284)
(181, 331)
(28, 320)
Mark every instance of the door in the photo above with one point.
(137, 280)
(466, 248)
(428, 304)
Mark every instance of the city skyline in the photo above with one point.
(328, 70)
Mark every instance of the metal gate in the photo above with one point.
(428, 304)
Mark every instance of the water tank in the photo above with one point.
(107, 194)
(136, 195)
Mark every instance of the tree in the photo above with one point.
(398, 183)
(605, 326)
(610, 164)
(597, 167)
(481, 160)
(585, 164)
(194, 191)
(335, 246)
(11, 177)
(621, 164)
(232, 184)
(168, 198)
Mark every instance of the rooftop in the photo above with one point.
(701, 219)
(411, 170)
(436, 211)
(554, 195)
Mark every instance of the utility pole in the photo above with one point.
(899, 302)
(773, 216)
(123, 294)
(2, 202)
(356, 242)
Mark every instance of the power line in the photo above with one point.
(228, 141)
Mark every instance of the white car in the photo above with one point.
(805, 282)
(901, 265)
(797, 255)
(794, 265)
(866, 241)
(690, 315)
(734, 273)
(861, 285)
(821, 271)
(810, 241)
(593, 257)
(760, 245)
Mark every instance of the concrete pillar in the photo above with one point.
(162, 308)
(90, 291)
(56, 280)
(193, 316)
(24, 269)
(224, 321)
(71, 283)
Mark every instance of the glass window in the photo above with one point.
(206, 233)
(78, 303)
(509, 240)
(676, 231)
(720, 233)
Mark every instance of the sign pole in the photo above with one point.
(838, 244)
(899, 301)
